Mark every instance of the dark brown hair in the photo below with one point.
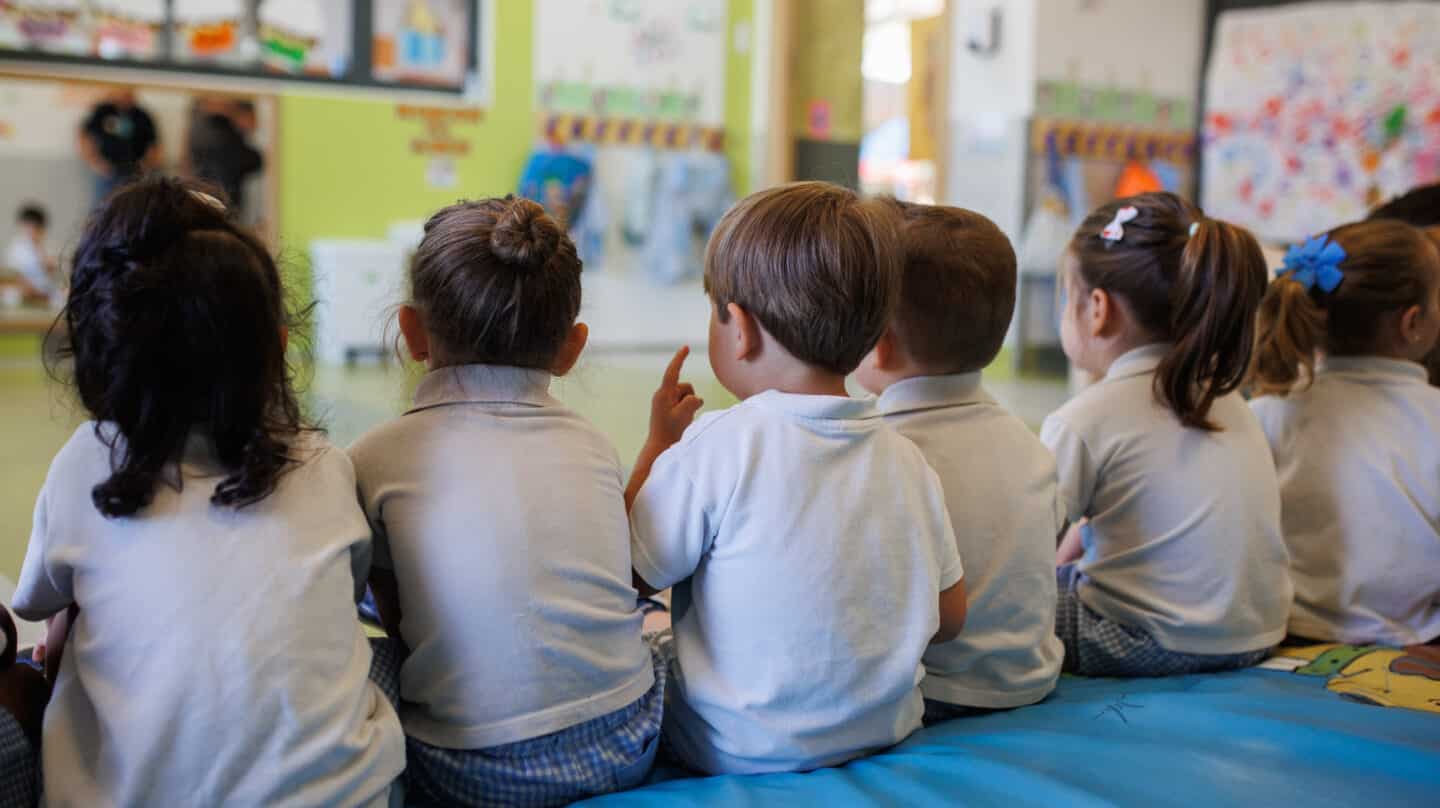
(957, 294)
(817, 267)
(175, 318)
(497, 282)
(1388, 267)
(1198, 291)
(1419, 207)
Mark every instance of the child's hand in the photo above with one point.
(1073, 547)
(673, 407)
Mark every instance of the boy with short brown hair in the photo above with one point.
(956, 301)
(807, 542)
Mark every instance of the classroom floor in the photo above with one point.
(613, 390)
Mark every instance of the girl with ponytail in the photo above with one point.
(209, 539)
(502, 565)
(1355, 431)
(1179, 566)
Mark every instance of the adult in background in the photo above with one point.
(220, 151)
(119, 141)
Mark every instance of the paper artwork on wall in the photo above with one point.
(421, 42)
(1318, 112)
(657, 60)
(54, 26)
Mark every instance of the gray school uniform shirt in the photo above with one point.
(502, 515)
(217, 658)
(999, 482)
(1184, 538)
(1359, 460)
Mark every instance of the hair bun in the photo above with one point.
(525, 237)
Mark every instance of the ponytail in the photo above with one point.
(1292, 330)
(1187, 280)
(1220, 284)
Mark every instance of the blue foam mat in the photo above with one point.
(1247, 738)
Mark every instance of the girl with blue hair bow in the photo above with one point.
(1355, 431)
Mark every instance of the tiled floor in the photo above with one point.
(613, 390)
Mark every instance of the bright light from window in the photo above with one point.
(887, 53)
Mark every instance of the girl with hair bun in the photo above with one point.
(208, 537)
(1355, 431)
(1179, 566)
(502, 564)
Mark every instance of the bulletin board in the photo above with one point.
(415, 44)
(652, 60)
(1316, 112)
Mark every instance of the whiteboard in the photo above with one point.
(658, 60)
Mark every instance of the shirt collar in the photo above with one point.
(1138, 362)
(933, 392)
(1374, 366)
(484, 384)
(820, 408)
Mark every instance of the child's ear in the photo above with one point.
(884, 355)
(1102, 317)
(570, 351)
(412, 328)
(746, 332)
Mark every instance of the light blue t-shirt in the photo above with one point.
(810, 543)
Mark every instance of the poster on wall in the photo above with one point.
(212, 31)
(1316, 113)
(127, 29)
(658, 60)
(305, 37)
(421, 42)
(53, 26)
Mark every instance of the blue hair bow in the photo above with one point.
(1315, 263)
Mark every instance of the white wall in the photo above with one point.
(991, 98)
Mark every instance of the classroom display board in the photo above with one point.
(1315, 113)
(652, 60)
(422, 44)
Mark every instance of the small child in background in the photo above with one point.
(502, 547)
(957, 298)
(1356, 436)
(209, 538)
(29, 256)
(808, 543)
(1181, 567)
(1419, 207)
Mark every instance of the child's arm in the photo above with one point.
(386, 591)
(672, 410)
(1071, 547)
(953, 607)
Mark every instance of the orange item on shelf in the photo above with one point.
(1137, 178)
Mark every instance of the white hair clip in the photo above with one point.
(208, 199)
(1194, 226)
(1115, 231)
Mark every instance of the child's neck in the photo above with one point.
(797, 378)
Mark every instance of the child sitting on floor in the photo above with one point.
(1181, 567)
(1419, 207)
(502, 548)
(210, 538)
(957, 297)
(1356, 437)
(808, 543)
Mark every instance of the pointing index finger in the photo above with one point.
(672, 372)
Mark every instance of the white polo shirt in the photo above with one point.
(1359, 460)
(1184, 534)
(999, 484)
(810, 544)
(502, 514)
(217, 658)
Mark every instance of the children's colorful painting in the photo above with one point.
(1316, 113)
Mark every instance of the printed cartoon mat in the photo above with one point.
(1305, 729)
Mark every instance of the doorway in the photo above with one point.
(904, 65)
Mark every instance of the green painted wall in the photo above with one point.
(346, 169)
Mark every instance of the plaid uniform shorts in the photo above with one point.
(19, 765)
(1098, 646)
(600, 756)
